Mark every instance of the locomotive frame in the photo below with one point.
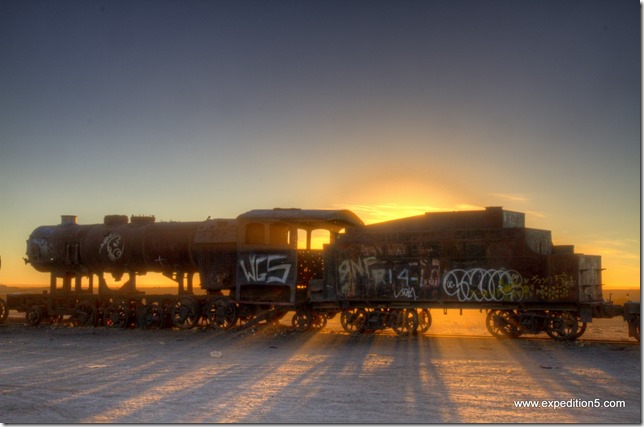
(264, 264)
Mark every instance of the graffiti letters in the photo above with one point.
(265, 268)
(478, 284)
(432, 274)
(362, 267)
(405, 292)
(113, 245)
(380, 278)
(553, 288)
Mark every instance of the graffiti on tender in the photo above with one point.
(405, 291)
(379, 279)
(478, 284)
(113, 245)
(349, 269)
(432, 275)
(431, 278)
(265, 268)
(406, 282)
(553, 288)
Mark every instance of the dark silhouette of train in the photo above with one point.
(315, 264)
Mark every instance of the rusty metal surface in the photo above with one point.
(471, 257)
(116, 246)
(478, 265)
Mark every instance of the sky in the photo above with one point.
(185, 109)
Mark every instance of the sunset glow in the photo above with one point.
(186, 110)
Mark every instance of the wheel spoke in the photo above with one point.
(85, 314)
(503, 323)
(35, 315)
(302, 319)
(319, 320)
(185, 313)
(562, 326)
(117, 315)
(353, 320)
(221, 313)
(424, 320)
(152, 316)
(406, 322)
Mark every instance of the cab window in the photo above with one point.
(313, 239)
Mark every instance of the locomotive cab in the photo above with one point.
(280, 252)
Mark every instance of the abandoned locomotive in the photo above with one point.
(317, 264)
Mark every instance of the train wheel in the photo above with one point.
(511, 324)
(562, 326)
(582, 329)
(35, 315)
(502, 323)
(424, 320)
(85, 314)
(492, 324)
(4, 311)
(302, 319)
(353, 320)
(319, 321)
(186, 313)
(116, 315)
(222, 313)
(151, 316)
(406, 322)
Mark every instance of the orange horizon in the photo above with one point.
(143, 284)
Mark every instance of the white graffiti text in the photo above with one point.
(265, 268)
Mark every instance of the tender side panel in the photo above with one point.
(483, 266)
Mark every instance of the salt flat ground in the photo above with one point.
(455, 373)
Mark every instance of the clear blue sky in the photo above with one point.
(189, 109)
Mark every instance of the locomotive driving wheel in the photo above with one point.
(503, 323)
(85, 314)
(186, 313)
(406, 322)
(117, 315)
(152, 316)
(562, 326)
(35, 315)
(353, 320)
(222, 313)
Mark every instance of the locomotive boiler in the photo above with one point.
(119, 246)
(315, 264)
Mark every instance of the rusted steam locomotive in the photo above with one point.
(316, 264)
